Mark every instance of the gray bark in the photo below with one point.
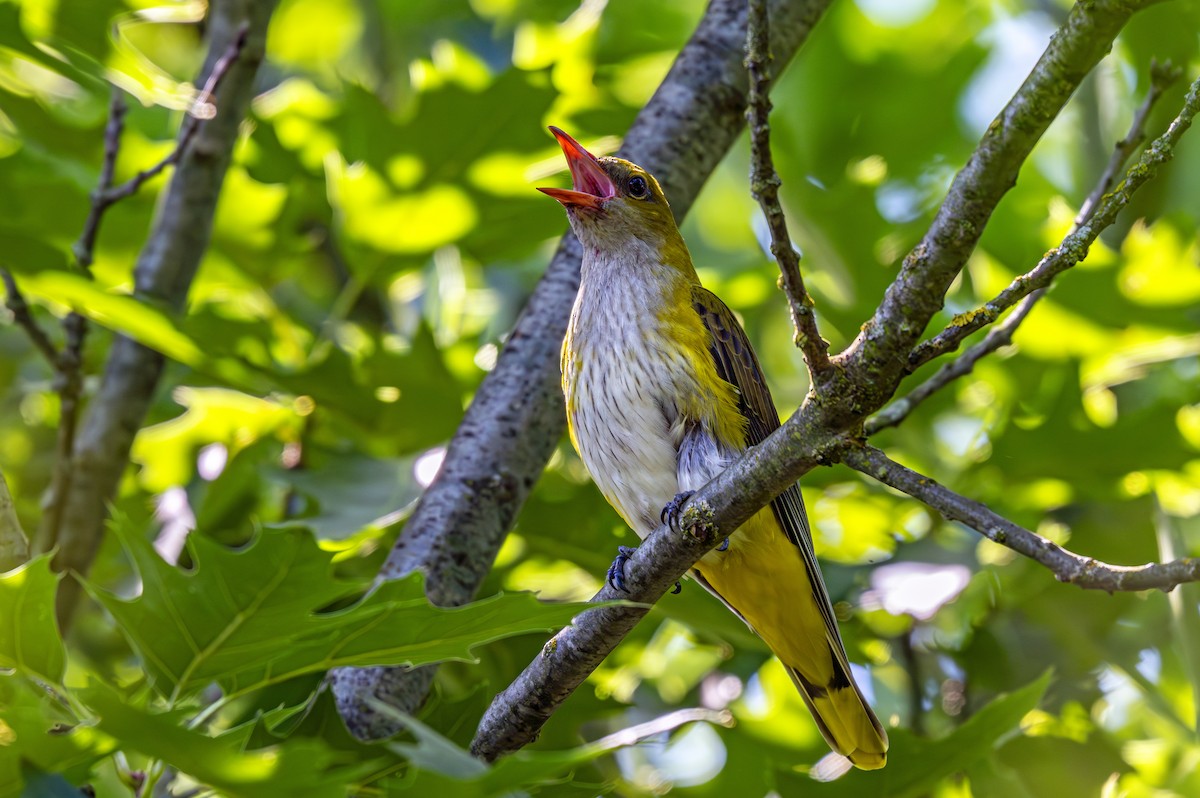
(511, 428)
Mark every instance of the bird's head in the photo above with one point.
(613, 203)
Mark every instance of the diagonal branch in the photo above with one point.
(878, 358)
(861, 380)
(517, 715)
(1161, 77)
(764, 185)
(1067, 566)
(516, 418)
(1074, 247)
(14, 300)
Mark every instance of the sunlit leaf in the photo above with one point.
(302, 767)
(250, 617)
(29, 638)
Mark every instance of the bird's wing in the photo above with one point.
(737, 364)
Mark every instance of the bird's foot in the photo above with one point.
(616, 571)
(670, 512)
(675, 590)
(724, 545)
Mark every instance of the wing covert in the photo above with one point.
(738, 365)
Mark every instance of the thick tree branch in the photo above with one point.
(1067, 566)
(1161, 77)
(1074, 247)
(764, 185)
(516, 418)
(163, 273)
(861, 380)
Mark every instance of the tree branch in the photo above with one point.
(1067, 566)
(878, 358)
(516, 418)
(163, 273)
(1161, 77)
(861, 380)
(517, 715)
(1074, 247)
(14, 300)
(764, 186)
(68, 382)
(69, 363)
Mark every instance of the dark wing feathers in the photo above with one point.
(737, 364)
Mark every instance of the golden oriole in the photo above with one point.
(662, 392)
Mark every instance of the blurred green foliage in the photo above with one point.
(376, 237)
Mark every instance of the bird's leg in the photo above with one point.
(670, 516)
(670, 512)
(616, 571)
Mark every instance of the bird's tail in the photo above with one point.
(844, 717)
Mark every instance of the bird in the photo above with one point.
(663, 391)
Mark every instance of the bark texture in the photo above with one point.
(516, 419)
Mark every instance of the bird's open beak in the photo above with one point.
(592, 186)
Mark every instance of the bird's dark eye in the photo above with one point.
(638, 188)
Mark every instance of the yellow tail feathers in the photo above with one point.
(845, 720)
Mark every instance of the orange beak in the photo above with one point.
(592, 186)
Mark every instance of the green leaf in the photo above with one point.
(29, 639)
(250, 617)
(302, 767)
(148, 325)
(916, 765)
(37, 729)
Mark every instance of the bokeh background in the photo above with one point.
(379, 231)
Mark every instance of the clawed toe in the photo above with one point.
(616, 571)
(670, 512)
(724, 545)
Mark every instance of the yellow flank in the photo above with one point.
(716, 400)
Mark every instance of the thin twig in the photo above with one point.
(15, 302)
(202, 109)
(764, 186)
(1066, 566)
(1074, 247)
(1161, 77)
(85, 248)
